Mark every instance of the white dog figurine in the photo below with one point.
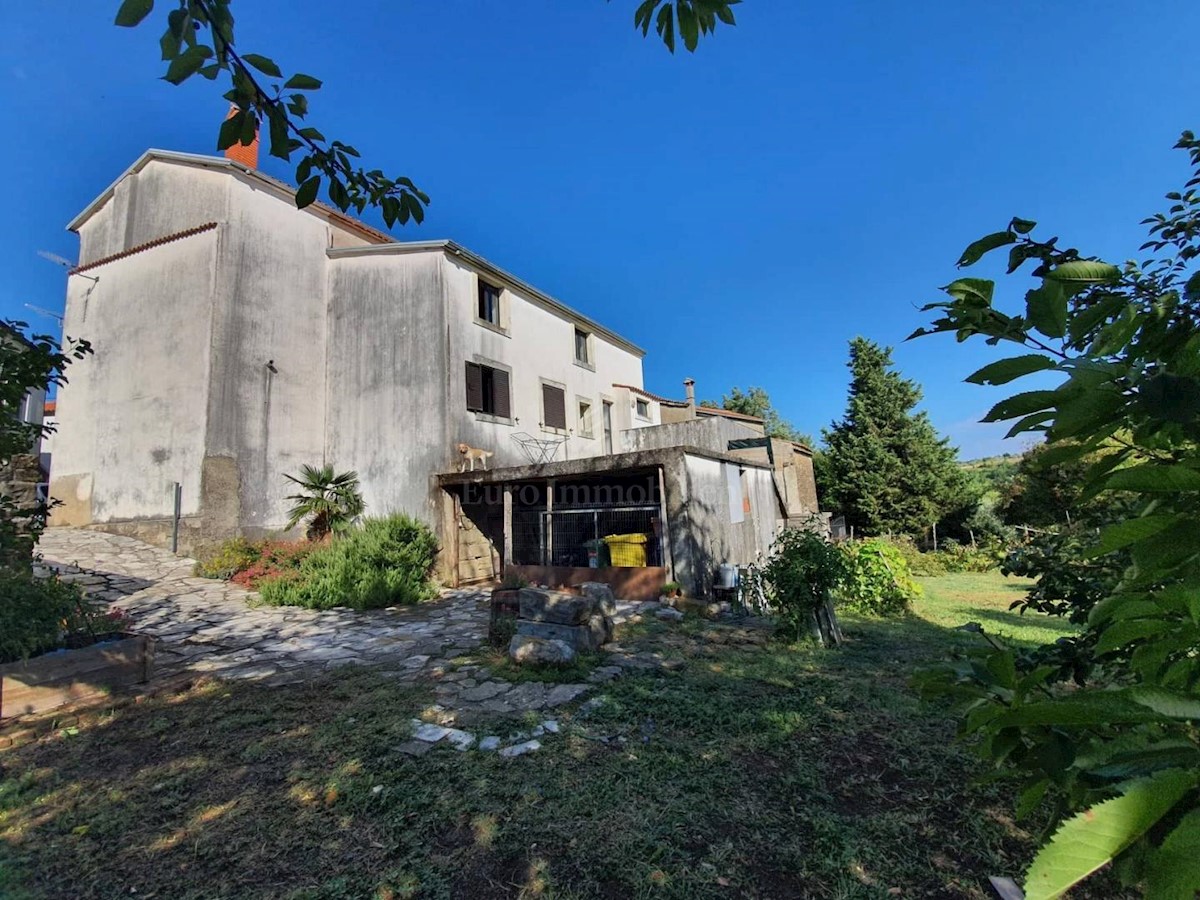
(470, 454)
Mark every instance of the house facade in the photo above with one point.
(237, 338)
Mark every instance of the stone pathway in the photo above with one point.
(213, 627)
(216, 628)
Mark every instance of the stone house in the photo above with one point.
(237, 338)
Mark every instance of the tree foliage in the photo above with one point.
(755, 401)
(27, 363)
(1119, 755)
(885, 468)
(199, 39)
(328, 501)
(798, 578)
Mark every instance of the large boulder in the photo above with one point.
(601, 594)
(528, 650)
(555, 607)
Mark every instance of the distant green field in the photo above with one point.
(953, 600)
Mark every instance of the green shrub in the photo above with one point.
(383, 562)
(798, 576)
(952, 557)
(229, 558)
(877, 579)
(36, 614)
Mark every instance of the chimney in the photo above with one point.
(689, 387)
(241, 153)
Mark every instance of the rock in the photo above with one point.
(521, 749)
(551, 726)
(538, 731)
(528, 696)
(565, 693)
(669, 615)
(491, 742)
(430, 733)
(601, 595)
(584, 638)
(377, 790)
(555, 607)
(485, 691)
(603, 674)
(462, 740)
(530, 650)
(648, 606)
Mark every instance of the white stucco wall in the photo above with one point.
(539, 346)
(131, 418)
(271, 307)
(386, 389)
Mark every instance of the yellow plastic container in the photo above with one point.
(627, 549)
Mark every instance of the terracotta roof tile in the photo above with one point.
(157, 242)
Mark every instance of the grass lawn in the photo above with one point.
(777, 772)
(952, 600)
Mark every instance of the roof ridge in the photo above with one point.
(157, 242)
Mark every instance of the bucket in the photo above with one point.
(727, 576)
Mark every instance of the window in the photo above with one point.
(643, 408)
(489, 303)
(488, 391)
(608, 430)
(554, 407)
(584, 428)
(583, 348)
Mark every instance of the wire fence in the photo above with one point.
(617, 536)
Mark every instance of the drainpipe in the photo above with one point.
(689, 387)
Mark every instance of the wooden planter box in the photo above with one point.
(66, 676)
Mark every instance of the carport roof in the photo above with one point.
(617, 463)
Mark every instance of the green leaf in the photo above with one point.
(132, 12)
(1174, 873)
(1120, 634)
(1155, 478)
(1006, 370)
(1091, 840)
(1022, 226)
(231, 131)
(302, 83)
(665, 26)
(1192, 289)
(279, 133)
(1166, 703)
(187, 63)
(264, 65)
(976, 291)
(689, 26)
(1022, 404)
(1080, 710)
(1085, 320)
(976, 250)
(1046, 309)
(307, 192)
(1130, 531)
(1085, 271)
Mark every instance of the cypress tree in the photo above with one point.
(885, 467)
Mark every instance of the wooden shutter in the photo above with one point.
(554, 407)
(474, 386)
(500, 399)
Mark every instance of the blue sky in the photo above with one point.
(806, 177)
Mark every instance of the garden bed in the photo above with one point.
(61, 677)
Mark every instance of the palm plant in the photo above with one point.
(329, 502)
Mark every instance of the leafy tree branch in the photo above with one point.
(199, 40)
